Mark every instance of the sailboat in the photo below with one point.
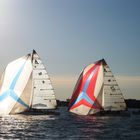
(26, 87)
(97, 91)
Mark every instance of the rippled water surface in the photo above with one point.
(69, 126)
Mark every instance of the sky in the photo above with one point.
(68, 35)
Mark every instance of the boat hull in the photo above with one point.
(41, 112)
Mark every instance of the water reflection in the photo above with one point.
(69, 126)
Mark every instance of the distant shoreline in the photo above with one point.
(131, 103)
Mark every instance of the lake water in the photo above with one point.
(68, 126)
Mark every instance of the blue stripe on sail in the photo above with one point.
(11, 91)
(16, 77)
(88, 80)
(83, 95)
(4, 95)
(15, 97)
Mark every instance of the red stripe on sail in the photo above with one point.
(81, 83)
(92, 84)
(84, 102)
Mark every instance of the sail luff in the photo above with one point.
(32, 93)
(31, 98)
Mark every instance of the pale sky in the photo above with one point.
(68, 35)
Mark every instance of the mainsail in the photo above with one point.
(96, 90)
(42, 93)
(14, 83)
(113, 97)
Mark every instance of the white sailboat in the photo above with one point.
(26, 86)
(42, 92)
(96, 91)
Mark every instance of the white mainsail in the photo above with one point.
(42, 91)
(14, 82)
(113, 97)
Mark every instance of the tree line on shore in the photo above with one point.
(131, 103)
